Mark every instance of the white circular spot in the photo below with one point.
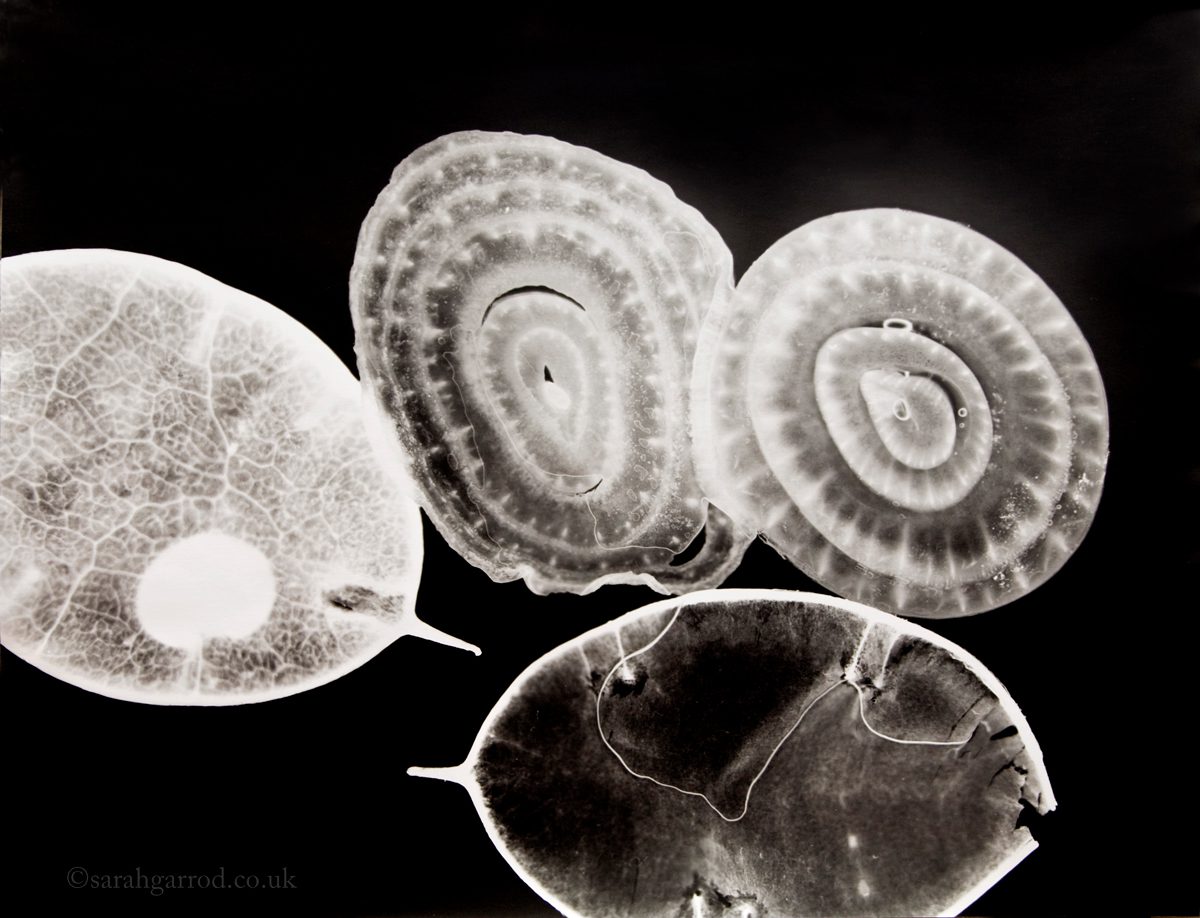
(208, 585)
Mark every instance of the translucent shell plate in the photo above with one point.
(904, 410)
(526, 313)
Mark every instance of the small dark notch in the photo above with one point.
(1029, 813)
(591, 489)
(596, 680)
(1010, 730)
(532, 288)
(863, 682)
(703, 890)
(351, 598)
(546, 374)
(691, 551)
(364, 601)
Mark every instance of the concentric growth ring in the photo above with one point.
(526, 316)
(905, 410)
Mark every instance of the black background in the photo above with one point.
(250, 147)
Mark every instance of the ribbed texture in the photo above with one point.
(526, 314)
(789, 442)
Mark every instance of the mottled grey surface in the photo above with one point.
(766, 754)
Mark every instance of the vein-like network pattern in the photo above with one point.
(190, 510)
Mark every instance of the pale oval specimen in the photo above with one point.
(526, 315)
(190, 510)
(756, 752)
(905, 411)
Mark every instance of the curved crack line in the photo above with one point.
(622, 663)
(523, 458)
(533, 465)
(862, 715)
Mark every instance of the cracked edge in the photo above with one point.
(465, 773)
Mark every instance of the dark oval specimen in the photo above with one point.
(755, 752)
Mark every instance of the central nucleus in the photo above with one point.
(907, 415)
(544, 365)
(913, 416)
